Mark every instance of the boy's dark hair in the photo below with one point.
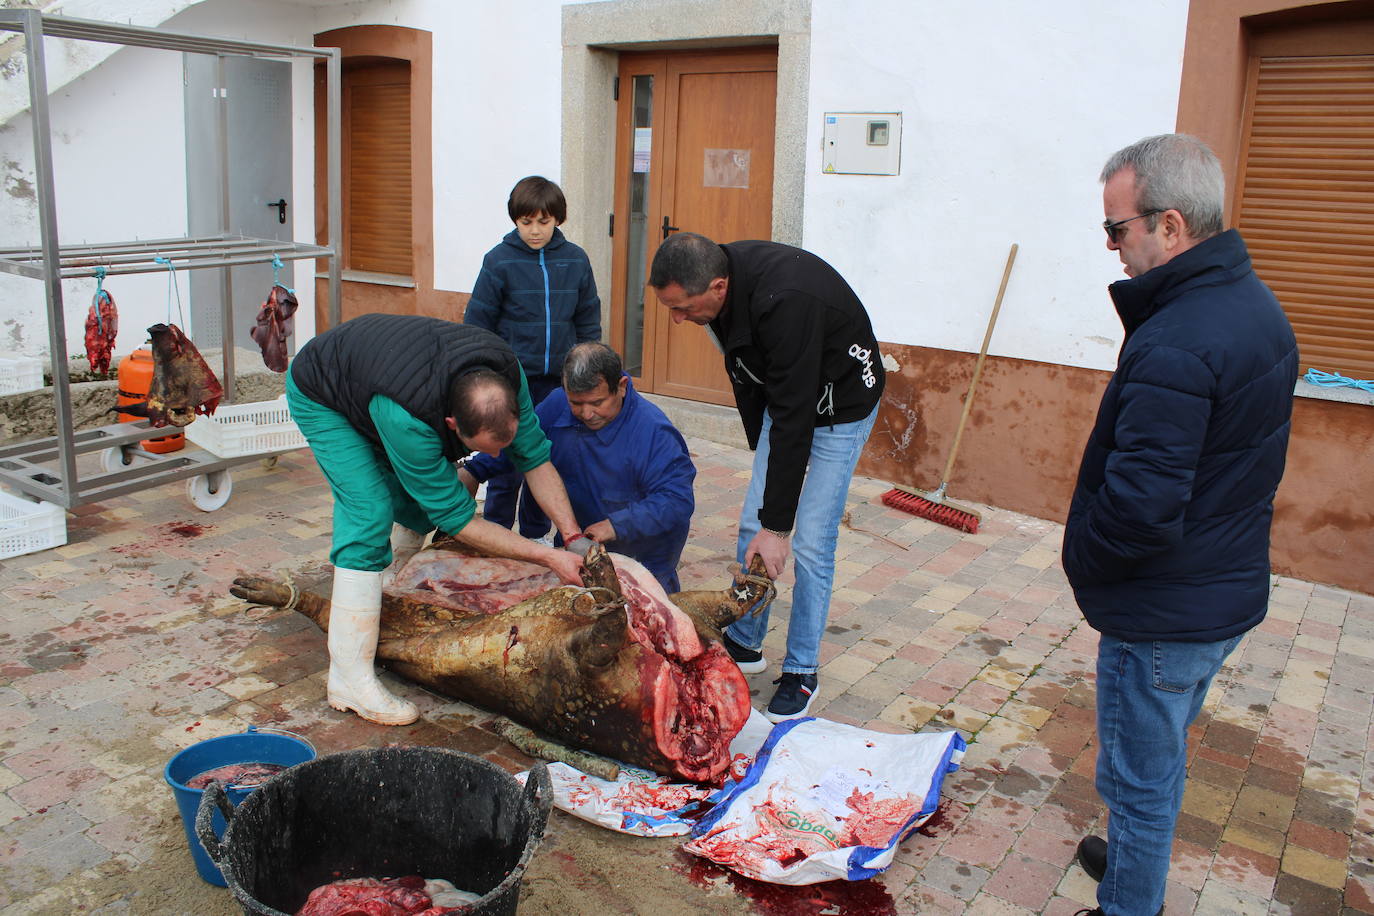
(482, 400)
(691, 261)
(535, 195)
(590, 363)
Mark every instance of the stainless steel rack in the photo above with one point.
(47, 468)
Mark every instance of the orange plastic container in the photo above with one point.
(135, 381)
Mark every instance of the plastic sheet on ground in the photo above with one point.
(642, 803)
(823, 801)
(807, 800)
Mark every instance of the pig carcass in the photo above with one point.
(616, 666)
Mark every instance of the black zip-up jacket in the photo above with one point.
(411, 359)
(1168, 532)
(798, 343)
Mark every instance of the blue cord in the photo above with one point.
(1336, 380)
(172, 287)
(100, 295)
(277, 265)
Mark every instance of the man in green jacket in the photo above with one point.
(388, 403)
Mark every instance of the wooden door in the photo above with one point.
(694, 153)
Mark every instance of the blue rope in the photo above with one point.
(173, 288)
(100, 295)
(1336, 380)
(277, 265)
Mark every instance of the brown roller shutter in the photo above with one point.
(1307, 202)
(377, 196)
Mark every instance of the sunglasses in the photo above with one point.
(1115, 230)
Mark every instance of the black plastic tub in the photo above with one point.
(384, 812)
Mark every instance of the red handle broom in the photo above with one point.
(933, 505)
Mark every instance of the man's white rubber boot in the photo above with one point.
(355, 615)
(404, 545)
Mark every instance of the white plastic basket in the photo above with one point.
(247, 429)
(20, 373)
(29, 525)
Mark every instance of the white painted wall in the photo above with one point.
(119, 163)
(1009, 111)
(69, 60)
(120, 150)
(119, 159)
(497, 118)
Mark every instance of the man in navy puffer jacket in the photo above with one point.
(1167, 541)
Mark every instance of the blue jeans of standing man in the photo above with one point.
(834, 452)
(1148, 693)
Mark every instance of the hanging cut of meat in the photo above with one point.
(183, 385)
(274, 325)
(102, 323)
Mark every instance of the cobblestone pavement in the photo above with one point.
(123, 646)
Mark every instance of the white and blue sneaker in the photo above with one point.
(796, 693)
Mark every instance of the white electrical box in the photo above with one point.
(861, 143)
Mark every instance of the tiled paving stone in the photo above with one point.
(123, 646)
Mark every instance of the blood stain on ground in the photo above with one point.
(186, 529)
(935, 824)
(829, 898)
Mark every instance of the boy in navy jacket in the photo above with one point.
(537, 292)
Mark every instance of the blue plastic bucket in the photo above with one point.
(253, 746)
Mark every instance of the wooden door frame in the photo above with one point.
(667, 65)
(620, 241)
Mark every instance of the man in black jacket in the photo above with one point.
(807, 377)
(1167, 541)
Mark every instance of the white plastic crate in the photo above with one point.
(20, 373)
(29, 525)
(247, 429)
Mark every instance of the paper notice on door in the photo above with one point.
(643, 146)
(725, 168)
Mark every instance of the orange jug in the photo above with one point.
(135, 381)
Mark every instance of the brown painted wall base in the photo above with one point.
(365, 298)
(1028, 426)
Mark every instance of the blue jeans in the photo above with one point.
(503, 490)
(1148, 693)
(834, 452)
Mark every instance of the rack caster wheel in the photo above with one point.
(209, 492)
(114, 459)
(269, 462)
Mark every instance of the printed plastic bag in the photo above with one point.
(824, 801)
(642, 803)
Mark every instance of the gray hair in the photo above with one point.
(1175, 172)
(589, 363)
(692, 261)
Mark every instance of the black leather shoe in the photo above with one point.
(1092, 855)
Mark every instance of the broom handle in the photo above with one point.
(978, 367)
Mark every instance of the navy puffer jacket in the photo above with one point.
(540, 302)
(1168, 532)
